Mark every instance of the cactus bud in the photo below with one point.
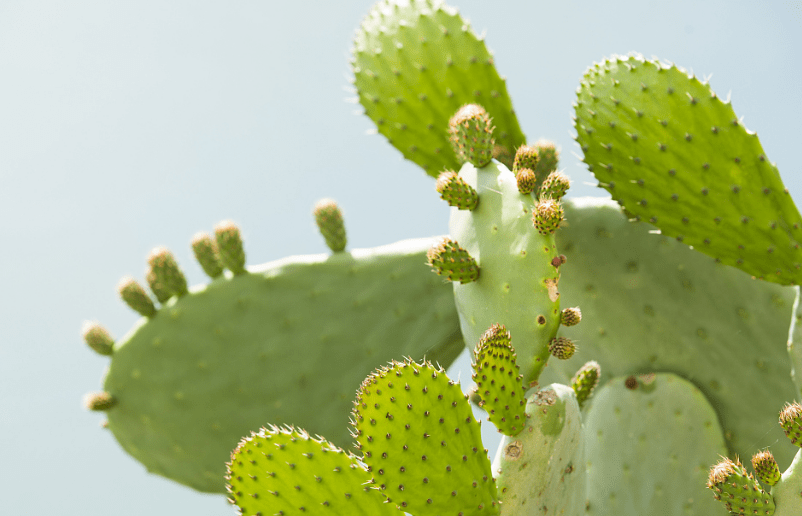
(571, 316)
(472, 135)
(525, 157)
(738, 490)
(791, 421)
(99, 401)
(98, 338)
(526, 180)
(554, 186)
(456, 192)
(547, 158)
(766, 468)
(135, 297)
(562, 348)
(547, 216)
(165, 274)
(158, 288)
(205, 250)
(585, 380)
(450, 260)
(329, 219)
(229, 244)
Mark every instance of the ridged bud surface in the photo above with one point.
(526, 180)
(766, 468)
(547, 216)
(206, 253)
(98, 338)
(329, 220)
(562, 348)
(229, 244)
(571, 316)
(585, 381)
(471, 134)
(456, 192)
(554, 186)
(448, 259)
(738, 490)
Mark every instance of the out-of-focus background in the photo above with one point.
(125, 125)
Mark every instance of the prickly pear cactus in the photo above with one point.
(414, 63)
(675, 154)
(287, 342)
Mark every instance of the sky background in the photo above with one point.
(126, 125)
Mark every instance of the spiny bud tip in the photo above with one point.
(99, 401)
(547, 216)
(526, 180)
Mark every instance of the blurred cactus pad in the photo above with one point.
(287, 342)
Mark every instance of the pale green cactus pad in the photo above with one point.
(649, 444)
(415, 62)
(542, 470)
(651, 304)
(674, 154)
(287, 343)
(787, 493)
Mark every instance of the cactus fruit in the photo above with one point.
(648, 448)
(526, 180)
(287, 342)
(448, 259)
(542, 469)
(329, 220)
(570, 316)
(562, 348)
(766, 468)
(738, 489)
(229, 245)
(498, 381)
(585, 380)
(674, 154)
(422, 443)
(205, 250)
(455, 191)
(97, 337)
(415, 62)
(554, 186)
(652, 304)
(791, 422)
(284, 470)
(471, 135)
(135, 297)
(518, 286)
(165, 277)
(99, 401)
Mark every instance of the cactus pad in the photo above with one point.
(652, 304)
(648, 448)
(288, 342)
(285, 471)
(674, 154)
(416, 430)
(415, 62)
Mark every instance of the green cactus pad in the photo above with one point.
(329, 220)
(415, 62)
(738, 490)
(648, 448)
(289, 343)
(541, 471)
(455, 191)
(206, 253)
(471, 133)
(285, 471)
(416, 430)
(766, 468)
(498, 381)
(585, 380)
(651, 304)
(786, 493)
(674, 154)
(518, 287)
(448, 259)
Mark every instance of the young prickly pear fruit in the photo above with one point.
(448, 259)
(562, 348)
(673, 153)
(135, 297)
(738, 490)
(206, 253)
(525, 157)
(284, 471)
(329, 220)
(585, 381)
(547, 216)
(455, 191)
(415, 63)
(415, 428)
(99, 401)
(570, 316)
(229, 244)
(97, 337)
(164, 275)
(766, 468)
(554, 186)
(526, 180)
(518, 286)
(547, 158)
(471, 135)
(543, 467)
(791, 421)
(499, 382)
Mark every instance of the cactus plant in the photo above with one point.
(678, 347)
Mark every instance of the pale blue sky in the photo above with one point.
(125, 125)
